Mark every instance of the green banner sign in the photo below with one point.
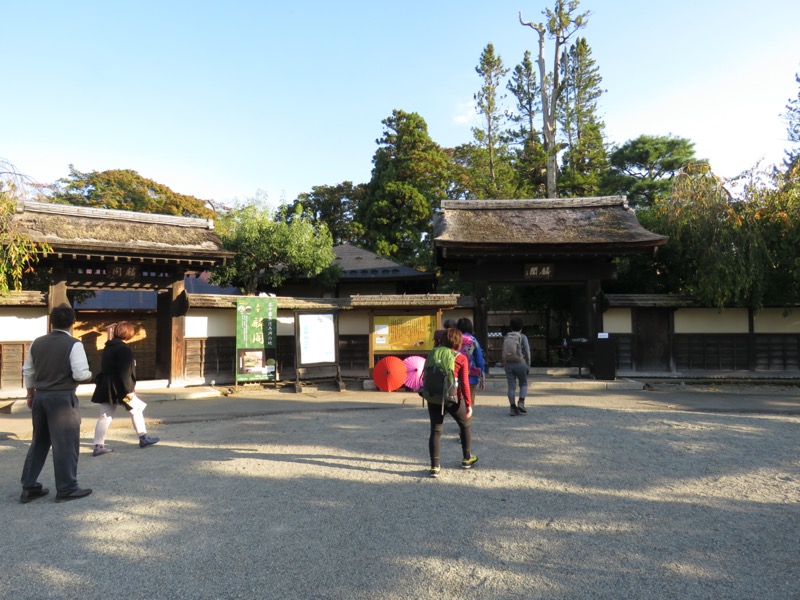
(256, 339)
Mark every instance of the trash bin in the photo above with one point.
(605, 357)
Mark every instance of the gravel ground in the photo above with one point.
(568, 502)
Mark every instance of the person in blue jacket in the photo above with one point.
(471, 347)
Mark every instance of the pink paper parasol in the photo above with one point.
(414, 364)
(389, 373)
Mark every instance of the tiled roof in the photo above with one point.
(357, 263)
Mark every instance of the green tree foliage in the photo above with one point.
(18, 253)
(127, 190)
(793, 129)
(489, 159)
(726, 251)
(461, 185)
(644, 168)
(584, 160)
(335, 206)
(409, 178)
(529, 159)
(772, 205)
(271, 248)
(561, 23)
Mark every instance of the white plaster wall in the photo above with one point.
(771, 320)
(286, 323)
(353, 323)
(618, 320)
(710, 320)
(22, 324)
(211, 323)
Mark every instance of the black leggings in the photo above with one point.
(459, 413)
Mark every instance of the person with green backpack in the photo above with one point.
(445, 387)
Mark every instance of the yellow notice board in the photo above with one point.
(403, 333)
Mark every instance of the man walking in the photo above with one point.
(55, 364)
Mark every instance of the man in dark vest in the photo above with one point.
(55, 364)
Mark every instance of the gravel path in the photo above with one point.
(568, 502)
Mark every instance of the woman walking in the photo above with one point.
(461, 411)
(116, 385)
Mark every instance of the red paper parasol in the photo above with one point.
(389, 374)
(414, 364)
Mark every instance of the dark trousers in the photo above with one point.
(459, 413)
(56, 423)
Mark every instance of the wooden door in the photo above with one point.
(653, 335)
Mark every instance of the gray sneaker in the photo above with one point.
(514, 411)
(146, 441)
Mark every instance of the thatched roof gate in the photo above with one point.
(571, 241)
(94, 249)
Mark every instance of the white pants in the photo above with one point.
(107, 415)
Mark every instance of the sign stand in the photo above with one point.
(256, 339)
(316, 348)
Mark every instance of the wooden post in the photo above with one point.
(57, 294)
(172, 305)
(481, 293)
(178, 309)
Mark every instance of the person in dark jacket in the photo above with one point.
(54, 366)
(115, 385)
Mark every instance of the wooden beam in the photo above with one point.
(515, 272)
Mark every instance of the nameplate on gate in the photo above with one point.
(546, 271)
(124, 271)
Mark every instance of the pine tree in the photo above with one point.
(409, 178)
(490, 159)
(529, 158)
(584, 159)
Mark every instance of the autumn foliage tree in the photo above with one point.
(727, 250)
(125, 189)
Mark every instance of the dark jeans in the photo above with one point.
(56, 423)
(459, 413)
(514, 372)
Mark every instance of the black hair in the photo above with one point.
(464, 325)
(516, 323)
(62, 317)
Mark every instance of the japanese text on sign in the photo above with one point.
(546, 271)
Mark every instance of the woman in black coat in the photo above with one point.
(115, 385)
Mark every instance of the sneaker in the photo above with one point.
(514, 410)
(146, 441)
(100, 450)
(468, 462)
(521, 407)
(435, 472)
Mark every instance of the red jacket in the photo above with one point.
(462, 376)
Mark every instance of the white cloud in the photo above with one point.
(464, 113)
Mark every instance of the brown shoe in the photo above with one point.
(32, 494)
(73, 495)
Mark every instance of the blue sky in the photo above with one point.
(222, 99)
